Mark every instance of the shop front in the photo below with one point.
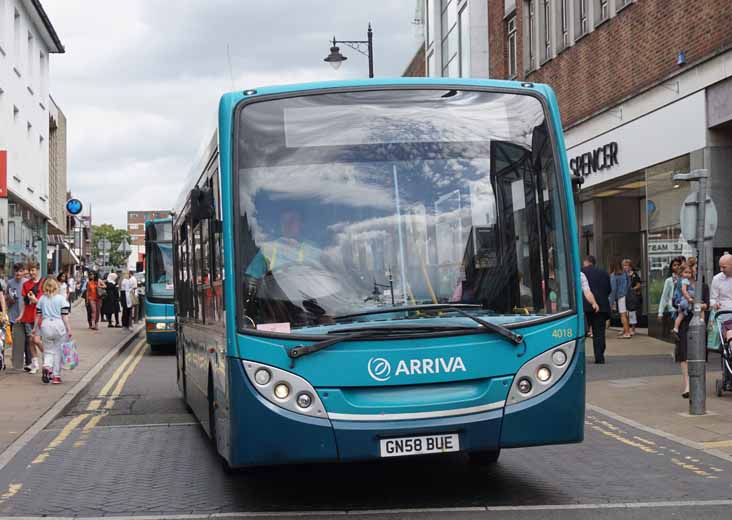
(629, 206)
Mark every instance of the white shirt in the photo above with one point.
(585, 283)
(721, 291)
(129, 285)
(72, 285)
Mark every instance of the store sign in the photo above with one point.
(602, 158)
(74, 206)
(3, 174)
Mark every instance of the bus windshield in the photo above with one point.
(356, 201)
(159, 253)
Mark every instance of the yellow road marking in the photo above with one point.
(120, 369)
(644, 441)
(94, 405)
(121, 383)
(60, 438)
(718, 444)
(624, 440)
(13, 489)
(86, 431)
(690, 467)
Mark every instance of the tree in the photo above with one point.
(115, 236)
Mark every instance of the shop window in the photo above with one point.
(664, 199)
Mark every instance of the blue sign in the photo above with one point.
(74, 206)
(650, 206)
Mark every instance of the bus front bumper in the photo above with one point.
(265, 434)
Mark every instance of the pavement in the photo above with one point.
(24, 399)
(651, 396)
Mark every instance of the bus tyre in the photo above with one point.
(483, 458)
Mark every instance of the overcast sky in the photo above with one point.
(141, 79)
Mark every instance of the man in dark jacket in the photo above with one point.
(599, 282)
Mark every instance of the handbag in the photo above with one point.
(70, 355)
(8, 335)
(101, 291)
(133, 297)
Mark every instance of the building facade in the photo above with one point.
(136, 229)
(27, 39)
(645, 91)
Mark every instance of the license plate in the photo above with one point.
(403, 446)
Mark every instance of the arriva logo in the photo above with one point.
(380, 368)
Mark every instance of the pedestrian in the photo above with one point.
(52, 323)
(110, 302)
(665, 305)
(92, 297)
(134, 298)
(82, 291)
(63, 286)
(721, 294)
(619, 284)
(634, 297)
(599, 285)
(72, 289)
(15, 310)
(32, 291)
(683, 296)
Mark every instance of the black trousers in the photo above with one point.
(88, 312)
(126, 315)
(598, 335)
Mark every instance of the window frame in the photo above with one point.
(512, 46)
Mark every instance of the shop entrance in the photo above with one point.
(617, 229)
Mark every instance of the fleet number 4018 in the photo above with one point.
(562, 333)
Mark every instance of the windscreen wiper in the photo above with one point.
(370, 332)
(460, 308)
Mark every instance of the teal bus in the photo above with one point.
(159, 287)
(381, 268)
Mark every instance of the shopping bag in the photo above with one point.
(70, 356)
(8, 336)
(713, 338)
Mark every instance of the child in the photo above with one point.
(52, 319)
(684, 296)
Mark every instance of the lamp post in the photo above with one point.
(335, 58)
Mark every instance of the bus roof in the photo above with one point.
(159, 221)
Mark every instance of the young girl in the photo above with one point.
(52, 319)
(685, 295)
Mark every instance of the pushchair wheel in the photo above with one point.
(720, 388)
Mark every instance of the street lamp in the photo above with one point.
(335, 58)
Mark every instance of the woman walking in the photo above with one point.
(110, 305)
(63, 286)
(126, 300)
(52, 322)
(93, 300)
(619, 284)
(634, 297)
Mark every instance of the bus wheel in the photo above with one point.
(483, 458)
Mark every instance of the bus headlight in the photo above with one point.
(543, 374)
(262, 376)
(284, 389)
(540, 373)
(160, 326)
(281, 391)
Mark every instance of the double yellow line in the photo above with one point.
(110, 391)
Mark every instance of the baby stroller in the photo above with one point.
(717, 342)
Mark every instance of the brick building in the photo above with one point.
(649, 81)
(136, 228)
